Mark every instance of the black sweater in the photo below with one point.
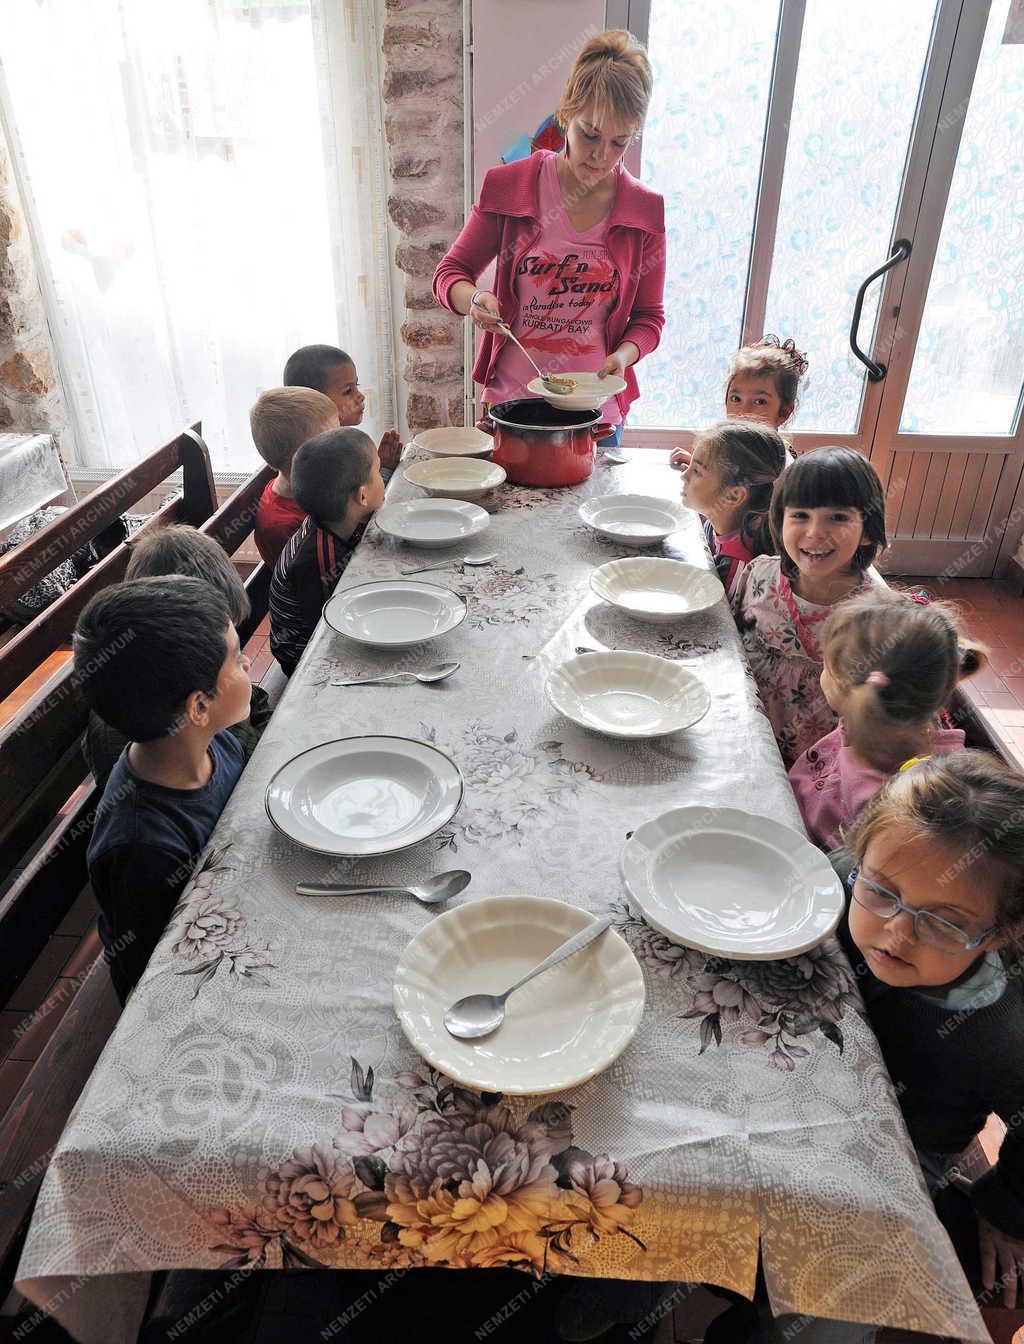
(952, 1068)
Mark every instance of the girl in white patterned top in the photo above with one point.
(828, 523)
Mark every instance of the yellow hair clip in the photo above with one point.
(914, 760)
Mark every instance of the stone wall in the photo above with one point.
(31, 397)
(423, 42)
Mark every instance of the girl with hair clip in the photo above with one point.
(729, 481)
(934, 868)
(761, 385)
(827, 518)
(890, 666)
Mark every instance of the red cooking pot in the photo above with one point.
(538, 444)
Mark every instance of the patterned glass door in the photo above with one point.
(949, 439)
(795, 143)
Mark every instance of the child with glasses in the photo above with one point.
(889, 669)
(935, 867)
(937, 882)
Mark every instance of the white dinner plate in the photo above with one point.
(627, 694)
(456, 477)
(364, 795)
(559, 1030)
(656, 589)
(432, 522)
(633, 520)
(394, 613)
(731, 883)
(590, 392)
(454, 441)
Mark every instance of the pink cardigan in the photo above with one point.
(505, 222)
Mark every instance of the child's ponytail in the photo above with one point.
(896, 662)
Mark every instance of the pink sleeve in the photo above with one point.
(648, 315)
(475, 246)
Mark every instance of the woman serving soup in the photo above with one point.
(579, 243)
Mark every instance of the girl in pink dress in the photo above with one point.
(890, 666)
(729, 480)
(828, 523)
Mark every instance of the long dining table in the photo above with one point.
(259, 1106)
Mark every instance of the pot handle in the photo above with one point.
(601, 431)
(485, 424)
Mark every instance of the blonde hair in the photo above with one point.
(611, 73)
(968, 801)
(284, 418)
(898, 661)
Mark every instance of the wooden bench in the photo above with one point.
(48, 799)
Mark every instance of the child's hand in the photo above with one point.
(1005, 1253)
(680, 458)
(389, 449)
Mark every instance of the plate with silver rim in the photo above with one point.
(632, 520)
(432, 523)
(561, 1029)
(394, 613)
(731, 883)
(626, 694)
(361, 796)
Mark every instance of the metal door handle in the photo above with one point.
(901, 249)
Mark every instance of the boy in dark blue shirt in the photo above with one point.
(159, 660)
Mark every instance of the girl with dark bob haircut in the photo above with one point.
(825, 478)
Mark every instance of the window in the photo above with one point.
(178, 163)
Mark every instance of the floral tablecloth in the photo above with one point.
(259, 1105)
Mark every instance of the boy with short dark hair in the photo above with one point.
(281, 422)
(160, 660)
(337, 480)
(330, 371)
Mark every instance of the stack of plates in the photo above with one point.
(655, 589)
(456, 477)
(395, 613)
(731, 883)
(432, 522)
(627, 694)
(561, 1029)
(364, 795)
(454, 441)
(633, 520)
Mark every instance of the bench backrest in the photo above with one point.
(23, 567)
(48, 801)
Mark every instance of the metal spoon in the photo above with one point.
(617, 459)
(431, 892)
(549, 384)
(480, 1014)
(428, 675)
(454, 560)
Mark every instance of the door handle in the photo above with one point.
(901, 249)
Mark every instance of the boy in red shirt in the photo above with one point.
(282, 420)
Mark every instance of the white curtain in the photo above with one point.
(205, 184)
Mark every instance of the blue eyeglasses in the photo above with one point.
(932, 930)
